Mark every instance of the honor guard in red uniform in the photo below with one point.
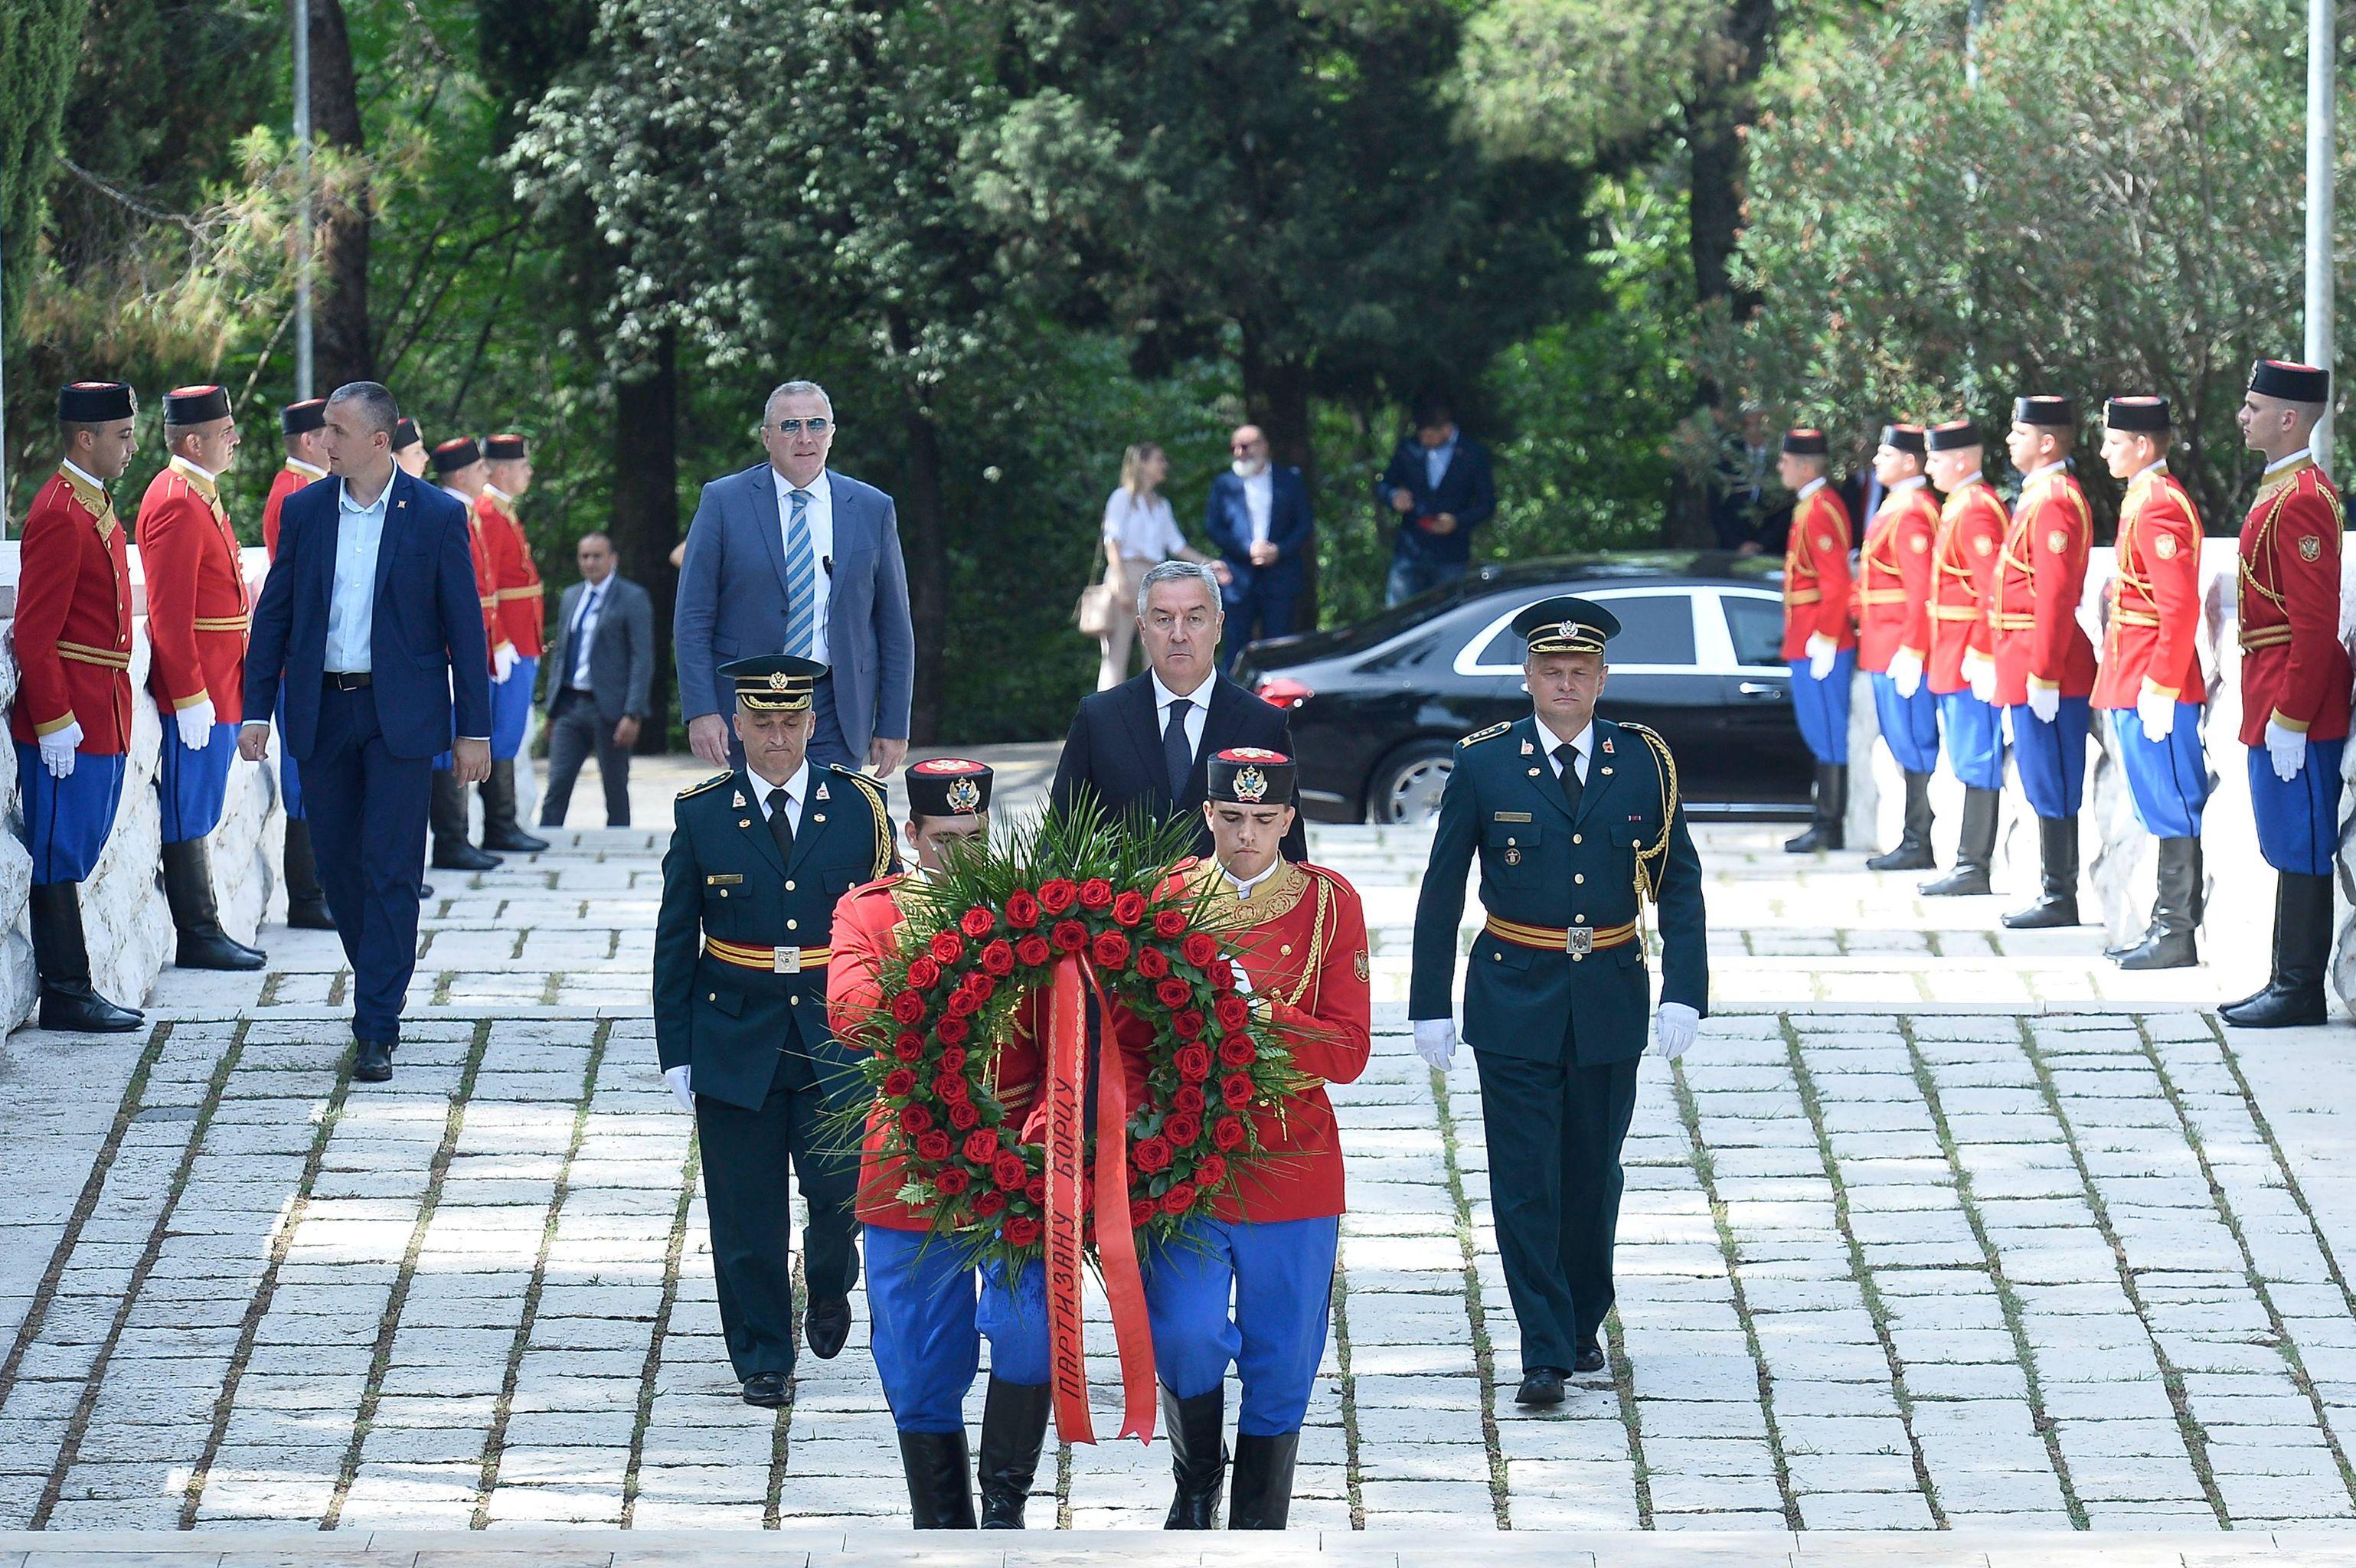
(1302, 953)
(71, 722)
(458, 463)
(1819, 641)
(931, 1306)
(409, 448)
(2044, 662)
(197, 610)
(2150, 681)
(1893, 647)
(2295, 683)
(1962, 670)
(303, 428)
(515, 582)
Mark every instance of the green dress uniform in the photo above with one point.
(740, 998)
(1557, 993)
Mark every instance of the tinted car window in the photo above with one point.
(1757, 627)
(1653, 629)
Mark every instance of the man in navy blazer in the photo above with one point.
(788, 557)
(1258, 518)
(370, 621)
(1440, 486)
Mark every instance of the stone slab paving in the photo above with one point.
(1936, 1229)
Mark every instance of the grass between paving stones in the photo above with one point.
(672, 1252)
(2171, 1376)
(2282, 1163)
(2008, 1299)
(773, 1501)
(380, 1359)
(1341, 1317)
(78, 1426)
(1813, 1102)
(1705, 1172)
(2284, 1344)
(495, 1440)
(1484, 1358)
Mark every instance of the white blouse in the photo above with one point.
(1148, 532)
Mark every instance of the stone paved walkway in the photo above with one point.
(1931, 1229)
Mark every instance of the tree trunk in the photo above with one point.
(1720, 113)
(923, 540)
(645, 507)
(343, 346)
(1276, 398)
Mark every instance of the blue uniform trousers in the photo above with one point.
(931, 1310)
(1281, 1277)
(1822, 708)
(67, 820)
(1973, 731)
(2298, 821)
(1910, 725)
(2052, 757)
(290, 778)
(511, 709)
(192, 785)
(2168, 778)
(369, 835)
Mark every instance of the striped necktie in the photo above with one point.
(801, 581)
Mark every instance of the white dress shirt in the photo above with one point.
(1195, 715)
(351, 604)
(1146, 531)
(2034, 475)
(796, 790)
(1243, 887)
(67, 465)
(1811, 488)
(819, 520)
(2302, 455)
(1580, 743)
(1259, 499)
(1436, 460)
(584, 631)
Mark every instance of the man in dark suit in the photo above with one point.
(600, 682)
(1440, 485)
(1144, 747)
(1258, 520)
(370, 622)
(790, 557)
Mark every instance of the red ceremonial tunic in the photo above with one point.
(866, 928)
(2294, 669)
(73, 620)
(2155, 624)
(282, 483)
(1963, 580)
(2041, 573)
(515, 577)
(196, 601)
(1893, 585)
(1817, 575)
(486, 586)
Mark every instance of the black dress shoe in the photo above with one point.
(827, 1325)
(424, 891)
(766, 1389)
(460, 855)
(309, 914)
(1540, 1386)
(1589, 1357)
(372, 1061)
(515, 840)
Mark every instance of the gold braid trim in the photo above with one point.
(882, 813)
(1653, 860)
(1315, 966)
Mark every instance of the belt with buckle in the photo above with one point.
(774, 960)
(1577, 941)
(348, 680)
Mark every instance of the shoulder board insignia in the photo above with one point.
(1490, 733)
(714, 781)
(872, 788)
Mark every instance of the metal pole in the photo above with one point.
(2321, 53)
(1975, 17)
(302, 202)
(4, 394)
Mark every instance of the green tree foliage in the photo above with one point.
(40, 42)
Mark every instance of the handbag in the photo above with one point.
(1094, 611)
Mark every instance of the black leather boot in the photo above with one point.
(1913, 851)
(1198, 1456)
(936, 1462)
(1826, 832)
(62, 960)
(447, 811)
(307, 901)
(2302, 945)
(196, 914)
(2057, 902)
(1014, 1430)
(1974, 849)
(1260, 1497)
(500, 830)
(2170, 944)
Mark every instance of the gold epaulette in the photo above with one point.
(714, 781)
(1490, 733)
(874, 790)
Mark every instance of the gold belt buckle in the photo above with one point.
(1578, 940)
(785, 960)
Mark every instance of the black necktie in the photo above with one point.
(781, 826)
(1176, 754)
(1567, 755)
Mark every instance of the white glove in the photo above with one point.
(503, 663)
(2045, 701)
(677, 1077)
(1906, 673)
(1979, 672)
(1822, 650)
(1243, 975)
(2155, 713)
(195, 725)
(2287, 748)
(1435, 1041)
(58, 748)
(1673, 1030)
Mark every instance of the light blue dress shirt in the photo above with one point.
(1436, 460)
(351, 606)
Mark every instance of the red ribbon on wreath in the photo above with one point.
(1066, 1087)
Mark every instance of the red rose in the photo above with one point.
(1235, 1089)
(988, 1201)
(1198, 947)
(909, 1046)
(1151, 1155)
(964, 1113)
(951, 1181)
(1022, 909)
(1033, 951)
(982, 986)
(1222, 975)
(1193, 1063)
(1035, 1190)
(1187, 1025)
(1095, 893)
(1141, 1213)
(1238, 1050)
(1209, 1171)
(923, 974)
(1150, 963)
(899, 1082)
(949, 1086)
(1170, 922)
(1057, 896)
(947, 948)
(998, 958)
(977, 923)
(932, 1147)
(962, 1003)
(981, 1146)
(1022, 1230)
(953, 1059)
(1234, 1013)
(1111, 949)
(1190, 1096)
(1069, 936)
(1227, 1134)
(1182, 1128)
(1009, 1170)
(1173, 992)
(907, 1008)
(1129, 907)
(1179, 1198)
(953, 1032)
(915, 1119)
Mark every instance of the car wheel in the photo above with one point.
(1406, 786)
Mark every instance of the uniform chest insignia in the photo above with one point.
(1358, 965)
(1983, 545)
(820, 793)
(1512, 857)
(2164, 547)
(723, 878)
(819, 817)
(1527, 749)
(2310, 547)
(1824, 541)
(1919, 543)
(1607, 772)
(1607, 745)
(2057, 541)
(1534, 773)
(1509, 816)
(739, 800)
(744, 822)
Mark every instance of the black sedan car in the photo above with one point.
(1377, 707)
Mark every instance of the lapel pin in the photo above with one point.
(744, 822)
(1534, 773)
(821, 793)
(1607, 772)
(1607, 745)
(739, 800)
(1527, 747)
(820, 816)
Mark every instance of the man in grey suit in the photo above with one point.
(788, 557)
(600, 682)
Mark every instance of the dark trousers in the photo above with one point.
(367, 809)
(574, 730)
(1260, 612)
(745, 1157)
(1555, 1130)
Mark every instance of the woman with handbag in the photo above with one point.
(1140, 533)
